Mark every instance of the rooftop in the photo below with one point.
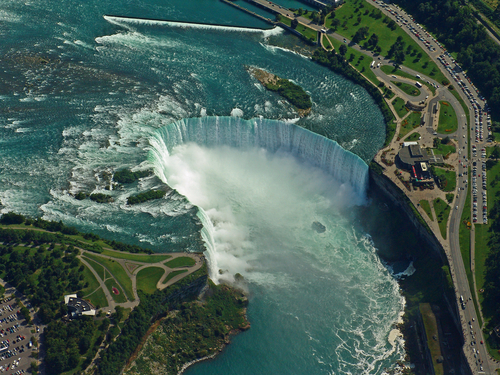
(78, 307)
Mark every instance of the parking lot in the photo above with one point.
(15, 339)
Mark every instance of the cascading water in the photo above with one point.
(271, 135)
(262, 187)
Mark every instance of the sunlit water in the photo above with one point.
(320, 302)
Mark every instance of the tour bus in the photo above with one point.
(371, 66)
(418, 84)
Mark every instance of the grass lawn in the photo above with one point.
(118, 298)
(390, 70)
(144, 258)
(306, 31)
(462, 103)
(442, 211)
(448, 122)
(386, 37)
(445, 149)
(413, 137)
(147, 279)
(482, 230)
(407, 88)
(360, 61)
(91, 280)
(449, 176)
(172, 274)
(431, 331)
(326, 43)
(409, 123)
(117, 271)
(480, 253)
(181, 262)
(427, 208)
(98, 298)
(400, 107)
(97, 267)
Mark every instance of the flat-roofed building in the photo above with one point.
(78, 307)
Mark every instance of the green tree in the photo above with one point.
(342, 49)
(294, 23)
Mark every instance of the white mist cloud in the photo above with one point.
(259, 204)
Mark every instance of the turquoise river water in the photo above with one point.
(84, 92)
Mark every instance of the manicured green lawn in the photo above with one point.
(407, 88)
(481, 250)
(482, 230)
(287, 21)
(400, 107)
(360, 61)
(431, 331)
(306, 31)
(442, 211)
(445, 149)
(326, 43)
(448, 122)
(91, 280)
(97, 267)
(462, 103)
(390, 70)
(409, 123)
(117, 271)
(143, 258)
(181, 262)
(172, 274)
(427, 208)
(413, 137)
(147, 279)
(386, 37)
(98, 298)
(449, 176)
(118, 298)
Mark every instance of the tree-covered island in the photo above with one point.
(293, 93)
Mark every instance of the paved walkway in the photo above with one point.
(132, 268)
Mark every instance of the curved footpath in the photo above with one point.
(136, 267)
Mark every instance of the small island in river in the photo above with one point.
(293, 93)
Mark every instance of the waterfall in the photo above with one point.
(207, 235)
(271, 135)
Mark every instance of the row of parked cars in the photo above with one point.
(476, 177)
(409, 22)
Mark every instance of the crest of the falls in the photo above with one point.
(271, 135)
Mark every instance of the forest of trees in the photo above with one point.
(455, 26)
(135, 327)
(69, 343)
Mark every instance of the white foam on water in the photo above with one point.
(275, 49)
(237, 112)
(123, 21)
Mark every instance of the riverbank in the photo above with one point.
(177, 342)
